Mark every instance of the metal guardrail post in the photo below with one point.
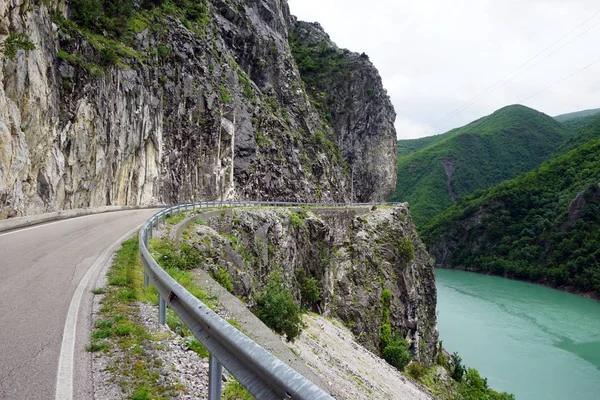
(162, 310)
(146, 276)
(215, 378)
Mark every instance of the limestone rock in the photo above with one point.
(353, 254)
(187, 112)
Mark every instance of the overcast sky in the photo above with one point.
(435, 56)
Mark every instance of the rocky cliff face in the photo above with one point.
(353, 255)
(190, 100)
(349, 92)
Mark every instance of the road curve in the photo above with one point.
(41, 268)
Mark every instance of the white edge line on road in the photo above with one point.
(64, 376)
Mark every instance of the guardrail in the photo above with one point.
(261, 373)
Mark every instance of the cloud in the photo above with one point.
(435, 56)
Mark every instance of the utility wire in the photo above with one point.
(521, 69)
(561, 80)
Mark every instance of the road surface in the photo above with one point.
(41, 269)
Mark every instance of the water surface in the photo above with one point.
(529, 340)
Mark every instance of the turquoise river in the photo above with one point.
(532, 341)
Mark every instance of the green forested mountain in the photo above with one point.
(577, 123)
(543, 226)
(577, 120)
(409, 146)
(577, 115)
(513, 140)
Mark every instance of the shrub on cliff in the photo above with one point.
(396, 353)
(277, 309)
(309, 288)
(457, 369)
(222, 276)
(475, 387)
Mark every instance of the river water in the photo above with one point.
(529, 340)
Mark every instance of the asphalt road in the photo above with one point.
(40, 270)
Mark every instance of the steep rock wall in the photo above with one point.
(351, 96)
(172, 111)
(353, 254)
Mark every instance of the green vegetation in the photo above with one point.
(462, 383)
(165, 253)
(543, 226)
(474, 387)
(563, 118)
(409, 146)
(222, 277)
(15, 41)
(245, 82)
(396, 352)
(416, 370)
(110, 26)
(224, 94)
(457, 369)
(466, 383)
(277, 309)
(235, 391)
(320, 64)
(511, 141)
(577, 123)
(119, 18)
(297, 219)
(177, 262)
(261, 139)
(118, 329)
(310, 292)
(394, 349)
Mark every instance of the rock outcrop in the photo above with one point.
(200, 103)
(351, 96)
(353, 255)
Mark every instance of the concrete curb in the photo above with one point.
(30, 220)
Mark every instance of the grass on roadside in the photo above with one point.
(118, 329)
(235, 391)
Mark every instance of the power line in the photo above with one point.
(561, 80)
(520, 70)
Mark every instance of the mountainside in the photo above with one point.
(576, 120)
(348, 91)
(513, 140)
(409, 146)
(353, 257)
(132, 103)
(543, 226)
(577, 115)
